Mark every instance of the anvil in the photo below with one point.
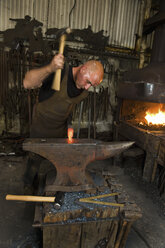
(71, 158)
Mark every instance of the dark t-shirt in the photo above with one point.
(46, 91)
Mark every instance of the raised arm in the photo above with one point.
(34, 78)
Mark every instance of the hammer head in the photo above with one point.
(62, 31)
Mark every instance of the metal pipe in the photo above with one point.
(79, 121)
(89, 116)
(94, 114)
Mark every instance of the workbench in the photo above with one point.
(94, 212)
(88, 225)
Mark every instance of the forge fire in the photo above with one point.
(155, 118)
(144, 114)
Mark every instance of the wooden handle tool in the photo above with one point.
(57, 77)
(30, 198)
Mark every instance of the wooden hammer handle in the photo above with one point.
(57, 76)
(30, 198)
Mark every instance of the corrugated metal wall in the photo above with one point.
(118, 18)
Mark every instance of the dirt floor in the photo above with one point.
(16, 218)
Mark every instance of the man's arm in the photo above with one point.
(34, 78)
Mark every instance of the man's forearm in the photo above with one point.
(35, 77)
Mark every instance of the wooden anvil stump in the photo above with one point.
(71, 158)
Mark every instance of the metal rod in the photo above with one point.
(103, 203)
(89, 117)
(79, 121)
(100, 196)
(94, 115)
(29, 107)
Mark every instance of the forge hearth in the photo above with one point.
(143, 90)
(147, 115)
(132, 125)
(152, 142)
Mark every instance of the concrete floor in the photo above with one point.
(16, 218)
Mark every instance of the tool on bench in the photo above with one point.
(57, 199)
(93, 200)
(30, 198)
(57, 76)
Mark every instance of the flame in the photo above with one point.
(70, 134)
(156, 119)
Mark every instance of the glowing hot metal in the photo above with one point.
(70, 134)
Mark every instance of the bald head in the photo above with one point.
(89, 74)
(95, 66)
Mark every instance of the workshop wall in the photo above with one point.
(120, 20)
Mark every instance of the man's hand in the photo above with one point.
(35, 77)
(57, 62)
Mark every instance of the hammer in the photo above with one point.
(30, 198)
(57, 76)
(57, 199)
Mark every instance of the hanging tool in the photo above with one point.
(57, 77)
(79, 120)
(94, 115)
(92, 199)
(89, 116)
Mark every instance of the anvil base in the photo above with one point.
(96, 181)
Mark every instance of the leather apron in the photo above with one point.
(50, 118)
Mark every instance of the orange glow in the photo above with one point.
(155, 119)
(70, 134)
